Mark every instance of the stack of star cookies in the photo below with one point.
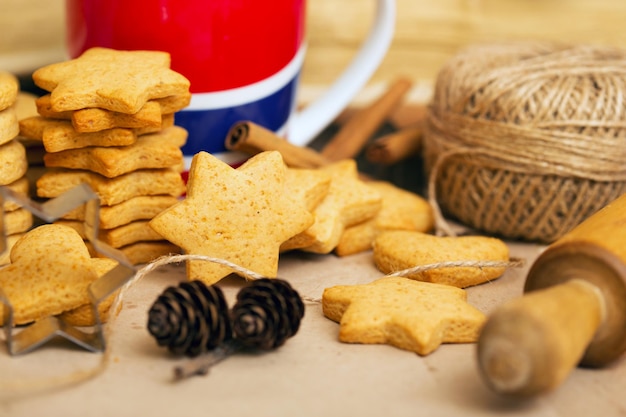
(109, 122)
(13, 163)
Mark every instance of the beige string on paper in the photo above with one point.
(16, 385)
(526, 140)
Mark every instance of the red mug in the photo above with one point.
(242, 57)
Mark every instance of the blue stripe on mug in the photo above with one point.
(268, 102)
(208, 128)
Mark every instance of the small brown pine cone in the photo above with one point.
(190, 319)
(266, 314)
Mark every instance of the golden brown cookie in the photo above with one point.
(172, 104)
(112, 190)
(9, 126)
(348, 201)
(167, 120)
(83, 315)
(49, 273)
(126, 234)
(401, 210)
(408, 314)
(144, 252)
(142, 207)
(60, 135)
(308, 186)
(20, 186)
(17, 221)
(9, 89)
(137, 231)
(13, 162)
(157, 150)
(121, 81)
(95, 119)
(5, 257)
(241, 215)
(44, 109)
(399, 250)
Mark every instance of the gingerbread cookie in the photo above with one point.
(121, 81)
(9, 127)
(20, 186)
(11, 240)
(143, 252)
(133, 232)
(113, 191)
(308, 186)
(83, 315)
(241, 215)
(13, 162)
(408, 314)
(399, 250)
(157, 150)
(17, 221)
(9, 89)
(142, 207)
(50, 273)
(348, 202)
(401, 210)
(60, 135)
(95, 119)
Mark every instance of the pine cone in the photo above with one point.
(190, 319)
(266, 313)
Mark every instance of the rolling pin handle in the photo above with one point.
(529, 345)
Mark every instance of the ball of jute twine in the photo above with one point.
(526, 140)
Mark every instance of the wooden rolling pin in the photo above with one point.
(573, 311)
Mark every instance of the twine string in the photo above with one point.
(512, 263)
(201, 365)
(526, 140)
(31, 385)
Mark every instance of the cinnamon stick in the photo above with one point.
(409, 114)
(252, 138)
(396, 146)
(355, 133)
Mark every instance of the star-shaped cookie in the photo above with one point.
(408, 314)
(241, 215)
(121, 81)
(349, 201)
(401, 210)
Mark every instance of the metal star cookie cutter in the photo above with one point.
(29, 338)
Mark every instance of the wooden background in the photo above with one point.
(429, 31)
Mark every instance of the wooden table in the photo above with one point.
(313, 374)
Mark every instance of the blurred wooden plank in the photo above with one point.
(32, 34)
(429, 32)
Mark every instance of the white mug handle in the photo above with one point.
(309, 122)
